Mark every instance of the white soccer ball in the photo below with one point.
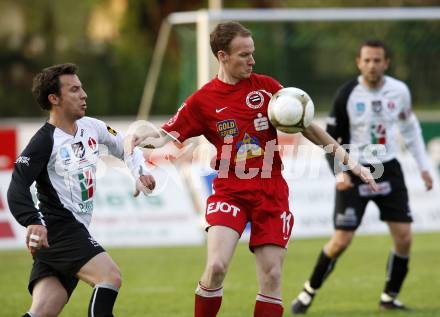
(291, 110)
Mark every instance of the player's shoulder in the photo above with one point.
(395, 84)
(345, 90)
(89, 122)
(265, 82)
(44, 135)
(200, 95)
(349, 85)
(96, 126)
(42, 141)
(261, 78)
(194, 100)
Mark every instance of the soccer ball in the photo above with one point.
(291, 110)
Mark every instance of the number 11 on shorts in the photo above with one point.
(286, 217)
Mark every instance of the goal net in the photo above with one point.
(313, 49)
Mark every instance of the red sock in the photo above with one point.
(207, 301)
(266, 306)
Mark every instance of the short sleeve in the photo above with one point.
(109, 137)
(271, 84)
(187, 122)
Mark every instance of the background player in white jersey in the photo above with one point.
(231, 112)
(368, 112)
(61, 158)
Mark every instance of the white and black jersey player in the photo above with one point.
(62, 159)
(369, 112)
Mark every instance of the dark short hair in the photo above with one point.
(375, 43)
(224, 33)
(48, 82)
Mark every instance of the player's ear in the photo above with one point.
(358, 60)
(387, 63)
(222, 56)
(53, 99)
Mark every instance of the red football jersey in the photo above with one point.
(234, 119)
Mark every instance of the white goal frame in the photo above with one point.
(206, 19)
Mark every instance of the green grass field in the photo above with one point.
(160, 282)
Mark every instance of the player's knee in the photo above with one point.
(45, 310)
(336, 247)
(112, 277)
(272, 277)
(217, 269)
(50, 314)
(403, 243)
(116, 278)
(406, 240)
(342, 245)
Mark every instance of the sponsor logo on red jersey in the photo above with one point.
(261, 123)
(249, 147)
(227, 128)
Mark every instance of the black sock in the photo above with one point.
(26, 315)
(102, 301)
(397, 268)
(322, 269)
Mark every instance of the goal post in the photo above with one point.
(328, 19)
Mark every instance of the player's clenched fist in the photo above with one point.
(36, 238)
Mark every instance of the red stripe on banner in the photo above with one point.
(6, 230)
(8, 150)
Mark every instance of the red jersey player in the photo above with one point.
(231, 112)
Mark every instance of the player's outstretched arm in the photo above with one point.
(151, 139)
(321, 138)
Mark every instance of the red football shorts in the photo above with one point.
(262, 202)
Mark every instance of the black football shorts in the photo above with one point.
(70, 247)
(391, 199)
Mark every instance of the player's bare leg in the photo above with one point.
(397, 266)
(269, 262)
(48, 298)
(102, 273)
(338, 243)
(402, 237)
(221, 245)
(325, 264)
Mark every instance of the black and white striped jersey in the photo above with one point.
(369, 121)
(64, 169)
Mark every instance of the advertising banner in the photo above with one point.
(166, 217)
